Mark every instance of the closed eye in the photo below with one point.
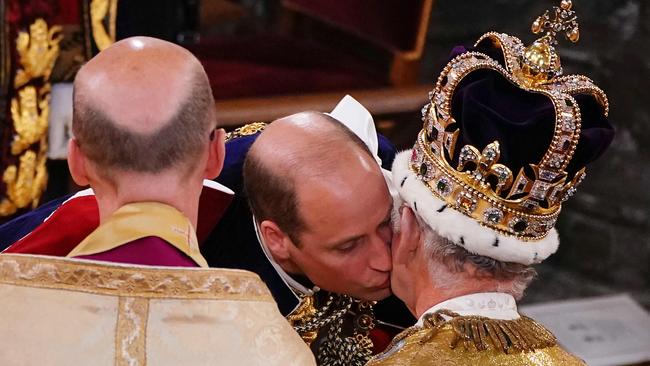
(347, 247)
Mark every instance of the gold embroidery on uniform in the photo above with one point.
(130, 336)
(337, 344)
(445, 338)
(131, 281)
(246, 130)
(481, 333)
(305, 311)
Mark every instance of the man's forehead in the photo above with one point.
(342, 206)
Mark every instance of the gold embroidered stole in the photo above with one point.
(135, 221)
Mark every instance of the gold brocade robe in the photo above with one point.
(475, 340)
(65, 311)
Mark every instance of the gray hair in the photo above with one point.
(448, 260)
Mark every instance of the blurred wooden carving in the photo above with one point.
(24, 176)
(37, 52)
(103, 14)
(29, 113)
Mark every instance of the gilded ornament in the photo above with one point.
(19, 181)
(540, 62)
(99, 10)
(38, 51)
(40, 178)
(30, 113)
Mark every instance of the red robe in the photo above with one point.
(75, 219)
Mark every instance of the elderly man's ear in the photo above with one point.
(407, 241)
(216, 155)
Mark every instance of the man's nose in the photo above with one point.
(379, 256)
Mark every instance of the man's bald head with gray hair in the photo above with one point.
(144, 126)
(142, 105)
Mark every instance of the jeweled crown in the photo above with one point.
(525, 205)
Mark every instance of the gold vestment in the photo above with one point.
(475, 340)
(63, 311)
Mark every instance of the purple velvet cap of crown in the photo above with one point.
(488, 107)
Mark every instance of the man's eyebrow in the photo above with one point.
(344, 241)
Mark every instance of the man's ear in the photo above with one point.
(217, 154)
(407, 240)
(77, 163)
(276, 240)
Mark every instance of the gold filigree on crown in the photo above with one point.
(479, 186)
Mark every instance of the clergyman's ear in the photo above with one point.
(406, 242)
(275, 240)
(217, 154)
(77, 163)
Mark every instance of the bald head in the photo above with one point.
(308, 144)
(142, 104)
(139, 83)
(294, 151)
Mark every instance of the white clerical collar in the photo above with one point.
(494, 305)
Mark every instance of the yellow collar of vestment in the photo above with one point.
(138, 220)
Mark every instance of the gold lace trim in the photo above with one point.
(481, 333)
(130, 340)
(132, 281)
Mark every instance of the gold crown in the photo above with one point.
(522, 206)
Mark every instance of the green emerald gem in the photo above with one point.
(442, 185)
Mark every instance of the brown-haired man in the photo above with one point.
(321, 209)
(341, 243)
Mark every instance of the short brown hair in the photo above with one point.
(178, 141)
(272, 194)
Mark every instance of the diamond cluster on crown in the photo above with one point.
(480, 187)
